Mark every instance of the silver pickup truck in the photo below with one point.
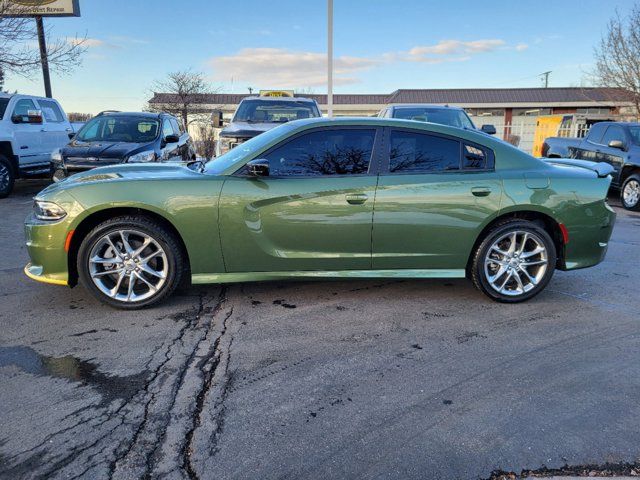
(616, 143)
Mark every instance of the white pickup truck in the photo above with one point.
(31, 128)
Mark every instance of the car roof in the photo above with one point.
(154, 115)
(625, 124)
(280, 99)
(469, 134)
(425, 105)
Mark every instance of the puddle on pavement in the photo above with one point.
(75, 370)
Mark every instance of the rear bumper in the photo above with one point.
(589, 240)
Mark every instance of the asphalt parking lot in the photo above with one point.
(360, 379)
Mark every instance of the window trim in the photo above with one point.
(386, 157)
(374, 162)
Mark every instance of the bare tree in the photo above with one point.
(205, 141)
(185, 90)
(618, 55)
(19, 52)
(1, 80)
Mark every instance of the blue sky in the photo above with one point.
(380, 45)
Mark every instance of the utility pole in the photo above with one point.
(43, 57)
(330, 58)
(546, 78)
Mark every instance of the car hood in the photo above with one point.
(124, 173)
(247, 129)
(101, 149)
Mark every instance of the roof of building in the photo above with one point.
(496, 96)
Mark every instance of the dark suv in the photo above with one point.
(119, 137)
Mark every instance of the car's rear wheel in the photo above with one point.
(7, 177)
(630, 193)
(514, 262)
(130, 262)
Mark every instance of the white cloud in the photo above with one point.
(450, 50)
(86, 42)
(287, 68)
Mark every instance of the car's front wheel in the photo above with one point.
(130, 262)
(514, 262)
(630, 193)
(7, 177)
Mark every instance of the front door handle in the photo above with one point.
(481, 191)
(356, 198)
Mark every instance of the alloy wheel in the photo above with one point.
(128, 265)
(631, 193)
(516, 263)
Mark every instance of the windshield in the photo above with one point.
(635, 135)
(3, 106)
(119, 129)
(443, 116)
(219, 164)
(274, 111)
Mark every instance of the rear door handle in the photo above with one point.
(356, 198)
(481, 191)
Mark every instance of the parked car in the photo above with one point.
(442, 114)
(30, 129)
(298, 201)
(123, 137)
(615, 143)
(256, 115)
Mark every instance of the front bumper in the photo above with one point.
(35, 272)
(46, 247)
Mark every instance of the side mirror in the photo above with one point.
(71, 135)
(489, 129)
(619, 144)
(216, 119)
(32, 116)
(173, 138)
(258, 167)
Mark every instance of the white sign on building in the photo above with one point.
(40, 8)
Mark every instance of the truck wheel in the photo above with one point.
(7, 177)
(630, 193)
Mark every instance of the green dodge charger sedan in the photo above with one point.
(323, 198)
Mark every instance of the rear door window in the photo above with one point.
(413, 152)
(50, 111)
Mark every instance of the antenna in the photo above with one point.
(545, 81)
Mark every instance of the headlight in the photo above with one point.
(56, 156)
(48, 211)
(224, 145)
(148, 156)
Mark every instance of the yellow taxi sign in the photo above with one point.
(276, 93)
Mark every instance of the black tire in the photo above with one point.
(633, 201)
(165, 240)
(7, 177)
(536, 234)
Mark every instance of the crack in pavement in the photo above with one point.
(208, 367)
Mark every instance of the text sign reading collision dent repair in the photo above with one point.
(42, 8)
